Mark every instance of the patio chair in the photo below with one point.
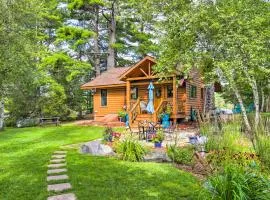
(143, 107)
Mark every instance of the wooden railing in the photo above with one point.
(135, 110)
(159, 108)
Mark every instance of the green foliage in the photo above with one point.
(122, 113)
(181, 155)
(130, 150)
(107, 135)
(238, 183)
(263, 149)
(159, 137)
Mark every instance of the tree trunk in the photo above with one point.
(112, 38)
(256, 99)
(263, 101)
(96, 43)
(2, 106)
(267, 109)
(244, 112)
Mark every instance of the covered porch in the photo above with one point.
(170, 92)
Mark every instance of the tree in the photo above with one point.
(233, 36)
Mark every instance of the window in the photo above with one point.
(103, 94)
(134, 93)
(192, 91)
(169, 91)
(158, 92)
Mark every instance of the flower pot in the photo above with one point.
(158, 144)
(165, 120)
(193, 140)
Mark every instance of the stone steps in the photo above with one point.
(55, 167)
(69, 196)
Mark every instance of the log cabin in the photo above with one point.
(127, 88)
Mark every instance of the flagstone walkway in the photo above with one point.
(57, 180)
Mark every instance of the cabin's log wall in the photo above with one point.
(116, 99)
(195, 103)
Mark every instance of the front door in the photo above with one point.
(157, 96)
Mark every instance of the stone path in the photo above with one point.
(56, 168)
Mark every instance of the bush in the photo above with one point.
(183, 155)
(236, 182)
(262, 148)
(107, 135)
(130, 150)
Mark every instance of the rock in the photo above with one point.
(59, 187)
(156, 156)
(58, 161)
(56, 171)
(58, 156)
(96, 148)
(57, 177)
(57, 165)
(69, 196)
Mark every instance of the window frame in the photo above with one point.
(136, 93)
(101, 98)
(168, 88)
(193, 93)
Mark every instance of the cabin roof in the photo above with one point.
(107, 78)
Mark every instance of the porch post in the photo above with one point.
(174, 99)
(128, 94)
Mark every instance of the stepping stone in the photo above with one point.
(56, 178)
(58, 156)
(60, 152)
(57, 165)
(58, 160)
(69, 196)
(59, 187)
(56, 171)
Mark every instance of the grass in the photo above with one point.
(108, 178)
(24, 155)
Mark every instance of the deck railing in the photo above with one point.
(135, 110)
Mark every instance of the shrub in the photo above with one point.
(159, 137)
(122, 114)
(181, 155)
(130, 150)
(262, 148)
(107, 135)
(236, 182)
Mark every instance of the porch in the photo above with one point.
(166, 94)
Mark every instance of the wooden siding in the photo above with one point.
(115, 101)
(181, 99)
(195, 103)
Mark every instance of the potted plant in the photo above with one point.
(122, 115)
(159, 137)
(166, 117)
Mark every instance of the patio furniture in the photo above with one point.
(143, 107)
(52, 120)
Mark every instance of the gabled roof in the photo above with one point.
(131, 69)
(108, 78)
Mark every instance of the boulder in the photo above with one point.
(156, 156)
(96, 148)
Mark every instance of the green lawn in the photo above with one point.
(24, 155)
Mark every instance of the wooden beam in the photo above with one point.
(174, 98)
(141, 78)
(102, 86)
(128, 95)
(147, 83)
(149, 69)
(144, 72)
